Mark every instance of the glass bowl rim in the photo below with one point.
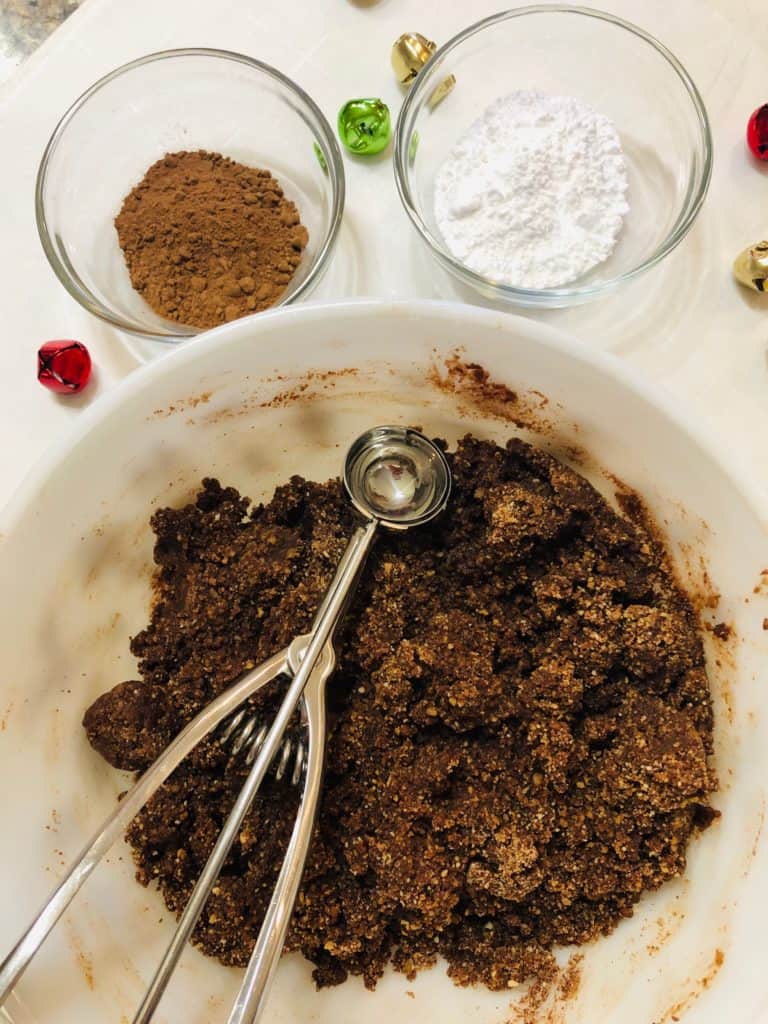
(538, 296)
(67, 274)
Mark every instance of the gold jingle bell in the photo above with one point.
(750, 267)
(409, 55)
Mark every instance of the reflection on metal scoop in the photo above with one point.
(397, 476)
(391, 484)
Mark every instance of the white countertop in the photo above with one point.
(686, 323)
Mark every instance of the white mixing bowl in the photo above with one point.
(252, 403)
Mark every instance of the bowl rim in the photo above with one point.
(561, 295)
(244, 329)
(67, 274)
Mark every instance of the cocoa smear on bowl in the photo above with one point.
(207, 239)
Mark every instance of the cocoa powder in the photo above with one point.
(207, 239)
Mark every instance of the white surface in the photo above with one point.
(687, 324)
(78, 549)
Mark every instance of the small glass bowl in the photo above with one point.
(178, 100)
(616, 67)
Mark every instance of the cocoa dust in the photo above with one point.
(207, 239)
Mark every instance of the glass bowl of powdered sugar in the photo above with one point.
(572, 154)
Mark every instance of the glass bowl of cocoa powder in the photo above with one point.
(187, 189)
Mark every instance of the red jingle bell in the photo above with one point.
(757, 132)
(63, 366)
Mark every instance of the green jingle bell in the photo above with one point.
(364, 126)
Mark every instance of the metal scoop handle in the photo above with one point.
(113, 827)
(254, 990)
(306, 650)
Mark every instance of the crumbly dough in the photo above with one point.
(521, 721)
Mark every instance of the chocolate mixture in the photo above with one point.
(207, 239)
(520, 721)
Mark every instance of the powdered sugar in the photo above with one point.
(534, 194)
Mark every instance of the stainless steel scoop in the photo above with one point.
(396, 478)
